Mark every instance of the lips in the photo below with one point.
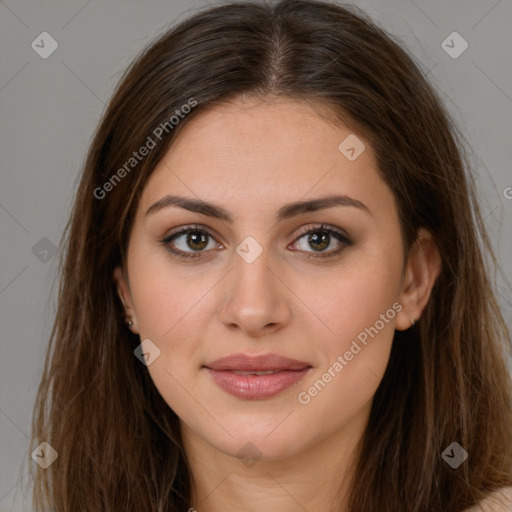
(261, 363)
(256, 377)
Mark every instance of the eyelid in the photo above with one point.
(182, 230)
(321, 227)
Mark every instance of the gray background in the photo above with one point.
(50, 108)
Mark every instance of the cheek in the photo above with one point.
(359, 308)
(357, 298)
(171, 314)
(166, 297)
(173, 303)
(361, 312)
(170, 311)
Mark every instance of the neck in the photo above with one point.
(317, 478)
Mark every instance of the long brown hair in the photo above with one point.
(118, 442)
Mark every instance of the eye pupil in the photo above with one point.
(316, 239)
(197, 238)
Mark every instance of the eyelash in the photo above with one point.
(317, 229)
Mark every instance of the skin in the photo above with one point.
(251, 158)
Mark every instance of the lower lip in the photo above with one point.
(256, 387)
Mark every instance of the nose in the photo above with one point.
(255, 298)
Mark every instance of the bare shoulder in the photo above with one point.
(499, 501)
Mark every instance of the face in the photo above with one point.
(322, 286)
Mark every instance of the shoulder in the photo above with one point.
(498, 501)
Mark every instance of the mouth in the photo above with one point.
(256, 378)
(263, 372)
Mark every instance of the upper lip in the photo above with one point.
(243, 362)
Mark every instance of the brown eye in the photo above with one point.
(319, 239)
(197, 240)
(319, 242)
(189, 242)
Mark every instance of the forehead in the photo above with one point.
(256, 154)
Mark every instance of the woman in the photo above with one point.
(273, 295)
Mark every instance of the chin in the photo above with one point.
(275, 442)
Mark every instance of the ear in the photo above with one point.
(123, 290)
(423, 268)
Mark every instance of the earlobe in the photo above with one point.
(123, 292)
(423, 268)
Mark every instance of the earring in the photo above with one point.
(128, 321)
(412, 322)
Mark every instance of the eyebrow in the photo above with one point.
(285, 212)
